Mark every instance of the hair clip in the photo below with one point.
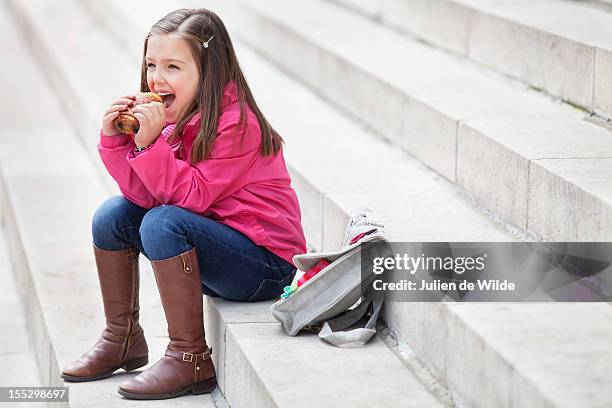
(205, 43)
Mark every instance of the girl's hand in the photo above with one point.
(121, 104)
(151, 117)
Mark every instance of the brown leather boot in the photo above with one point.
(122, 344)
(187, 365)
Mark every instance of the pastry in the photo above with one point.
(126, 122)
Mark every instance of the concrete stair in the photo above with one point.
(561, 47)
(532, 161)
(16, 357)
(465, 354)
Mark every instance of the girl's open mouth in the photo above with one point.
(168, 100)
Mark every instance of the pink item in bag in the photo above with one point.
(322, 264)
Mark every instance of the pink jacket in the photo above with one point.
(236, 186)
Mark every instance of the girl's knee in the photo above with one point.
(107, 214)
(159, 219)
(162, 227)
(115, 223)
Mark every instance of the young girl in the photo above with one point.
(206, 198)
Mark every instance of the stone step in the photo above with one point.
(476, 350)
(49, 192)
(263, 367)
(500, 372)
(16, 353)
(242, 382)
(532, 161)
(561, 47)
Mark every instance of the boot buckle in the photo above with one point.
(190, 355)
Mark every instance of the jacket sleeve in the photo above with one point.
(196, 187)
(113, 151)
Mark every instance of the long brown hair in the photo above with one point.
(217, 65)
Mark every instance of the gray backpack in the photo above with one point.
(339, 299)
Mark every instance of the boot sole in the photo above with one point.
(203, 387)
(127, 366)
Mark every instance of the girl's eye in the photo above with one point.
(173, 66)
(150, 65)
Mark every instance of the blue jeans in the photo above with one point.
(231, 265)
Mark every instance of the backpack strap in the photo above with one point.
(360, 321)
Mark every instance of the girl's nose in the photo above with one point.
(158, 78)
